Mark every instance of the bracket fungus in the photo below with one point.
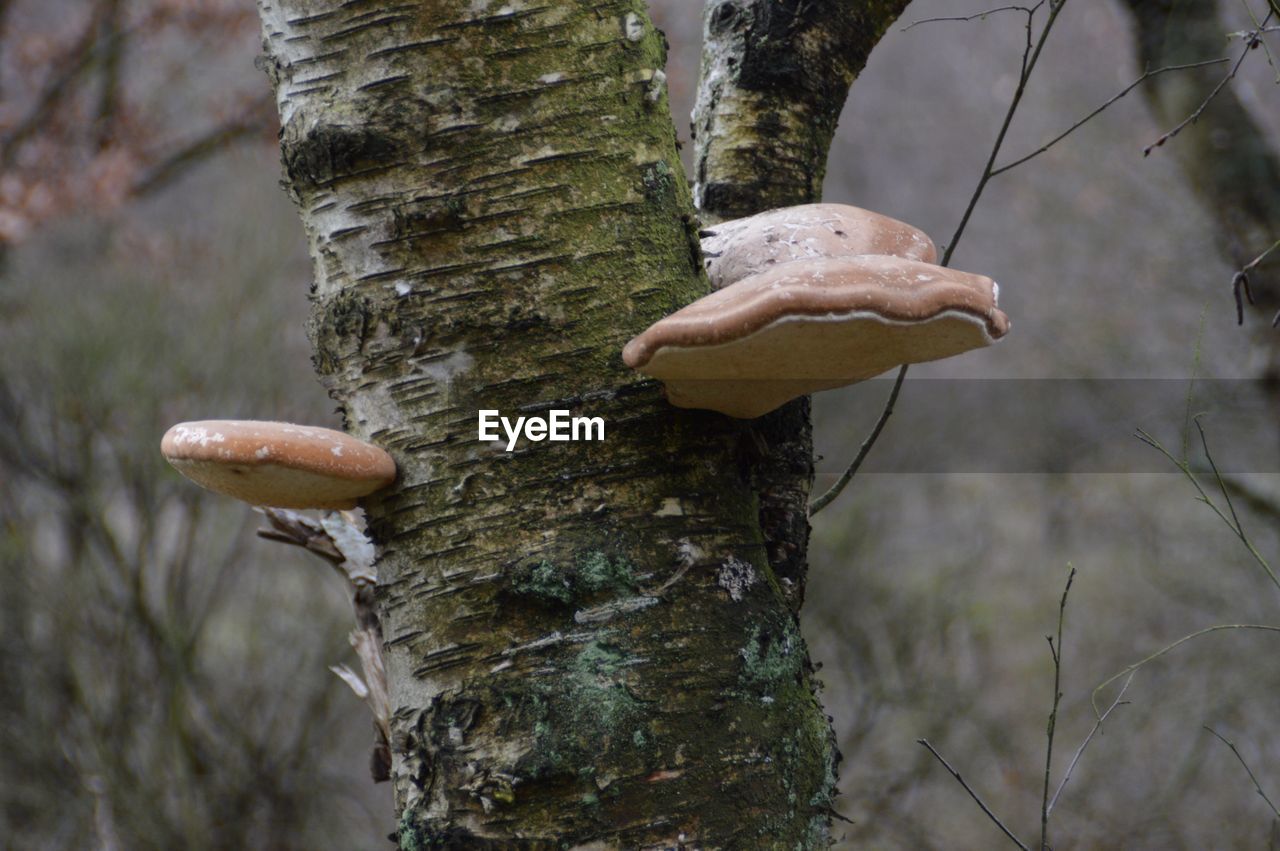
(278, 464)
(740, 248)
(814, 324)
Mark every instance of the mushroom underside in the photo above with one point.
(278, 464)
(798, 355)
(274, 485)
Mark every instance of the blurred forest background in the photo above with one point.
(163, 682)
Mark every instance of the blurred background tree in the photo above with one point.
(163, 683)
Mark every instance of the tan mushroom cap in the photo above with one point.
(740, 248)
(278, 464)
(812, 325)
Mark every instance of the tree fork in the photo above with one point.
(585, 645)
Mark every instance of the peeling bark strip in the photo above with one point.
(775, 75)
(494, 205)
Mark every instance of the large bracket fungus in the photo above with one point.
(278, 464)
(813, 311)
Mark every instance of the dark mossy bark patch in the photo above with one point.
(592, 574)
(411, 836)
(339, 330)
(317, 157)
(585, 719)
(659, 182)
(772, 659)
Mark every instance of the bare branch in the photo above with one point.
(1195, 116)
(109, 93)
(1240, 284)
(1097, 726)
(1170, 647)
(1030, 56)
(1256, 785)
(68, 69)
(1146, 75)
(979, 16)
(289, 527)
(1233, 522)
(1053, 714)
(824, 500)
(973, 794)
(1261, 29)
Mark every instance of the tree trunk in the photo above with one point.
(775, 76)
(584, 643)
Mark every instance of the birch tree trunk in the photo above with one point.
(584, 642)
(775, 75)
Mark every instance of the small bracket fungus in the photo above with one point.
(278, 464)
(810, 325)
(740, 248)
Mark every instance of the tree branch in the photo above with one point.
(1146, 75)
(835, 490)
(977, 16)
(974, 795)
(1256, 785)
(1056, 651)
(1097, 725)
(1030, 56)
(1195, 115)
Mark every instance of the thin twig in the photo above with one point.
(1170, 647)
(1240, 284)
(1233, 522)
(824, 500)
(1260, 501)
(1256, 37)
(1195, 116)
(979, 16)
(1222, 486)
(1256, 785)
(1253, 264)
(1030, 56)
(1097, 726)
(1056, 652)
(1196, 360)
(973, 794)
(109, 95)
(1146, 75)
